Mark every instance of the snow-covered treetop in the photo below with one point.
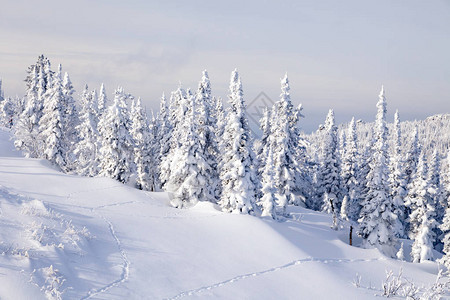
(102, 99)
(329, 121)
(285, 86)
(236, 96)
(205, 85)
(381, 115)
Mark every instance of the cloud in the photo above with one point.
(337, 54)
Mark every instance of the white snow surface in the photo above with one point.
(72, 237)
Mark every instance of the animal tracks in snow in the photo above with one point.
(125, 266)
(126, 263)
(255, 274)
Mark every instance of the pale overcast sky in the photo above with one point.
(337, 53)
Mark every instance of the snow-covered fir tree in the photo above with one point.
(7, 111)
(445, 228)
(116, 142)
(350, 185)
(445, 225)
(27, 127)
(167, 121)
(102, 100)
(170, 130)
(27, 130)
(436, 194)
(237, 174)
(397, 179)
(268, 200)
(422, 248)
(142, 147)
(10, 110)
(220, 116)
(418, 196)
(52, 125)
(364, 169)
(261, 148)
(377, 219)
(342, 144)
(154, 152)
(329, 189)
(410, 167)
(87, 149)
(422, 219)
(70, 119)
(287, 146)
(412, 156)
(207, 139)
(187, 184)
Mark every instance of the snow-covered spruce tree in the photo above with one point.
(220, 116)
(70, 120)
(86, 150)
(27, 134)
(350, 184)
(237, 174)
(142, 148)
(418, 196)
(445, 226)
(287, 147)
(27, 128)
(116, 151)
(170, 130)
(364, 169)
(268, 200)
(436, 194)
(397, 179)
(377, 219)
(207, 139)
(410, 167)
(7, 109)
(329, 186)
(345, 214)
(445, 182)
(412, 157)
(187, 184)
(7, 112)
(342, 144)
(42, 66)
(435, 178)
(422, 219)
(154, 153)
(422, 248)
(102, 100)
(261, 148)
(166, 124)
(261, 151)
(51, 125)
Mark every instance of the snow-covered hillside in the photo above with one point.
(79, 238)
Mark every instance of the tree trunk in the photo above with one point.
(350, 240)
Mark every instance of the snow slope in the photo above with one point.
(94, 238)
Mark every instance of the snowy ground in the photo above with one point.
(96, 238)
